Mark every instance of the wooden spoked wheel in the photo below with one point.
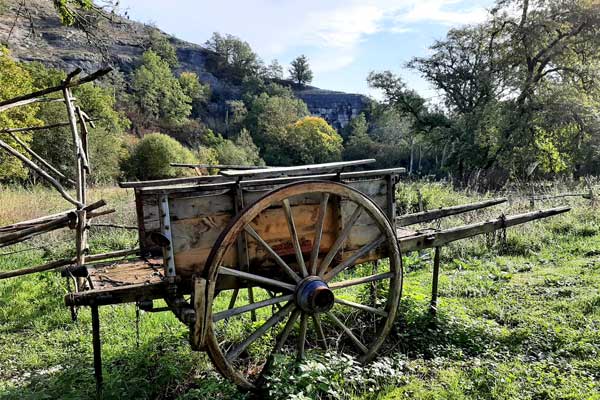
(312, 297)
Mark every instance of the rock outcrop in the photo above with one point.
(37, 35)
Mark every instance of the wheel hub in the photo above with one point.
(313, 295)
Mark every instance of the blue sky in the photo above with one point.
(343, 39)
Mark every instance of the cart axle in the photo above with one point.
(313, 295)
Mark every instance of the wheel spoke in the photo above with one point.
(314, 256)
(340, 240)
(233, 299)
(319, 329)
(361, 280)
(275, 318)
(250, 307)
(255, 278)
(302, 336)
(352, 260)
(348, 332)
(362, 307)
(295, 241)
(287, 329)
(272, 252)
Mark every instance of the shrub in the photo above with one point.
(153, 154)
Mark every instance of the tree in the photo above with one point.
(268, 118)
(106, 138)
(359, 144)
(310, 140)
(15, 81)
(157, 94)
(231, 58)
(191, 86)
(161, 45)
(502, 78)
(300, 71)
(274, 70)
(152, 156)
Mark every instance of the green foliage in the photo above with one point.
(274, 70)
(14, 81)
(231, 58)
(268, 119)
(67, 9)
(241, 151)
(157, 94)
(310, 140)
(300, 71)
(151, 157)
(106, 138)
(161, 45)
(191, 86)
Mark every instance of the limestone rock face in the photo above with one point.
(337, 108)
(37, 35)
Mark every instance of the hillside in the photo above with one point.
(36, 34)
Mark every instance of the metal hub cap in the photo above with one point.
(313, 295)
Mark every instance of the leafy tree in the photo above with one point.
(300, 71)
(268, 118)
(307, 141)
(14, 81)
(231, 57)
(191, 86)
(106, 136)
(161, 45)
(157, 94)
(359, 144)
(274, 70)
(153, 154)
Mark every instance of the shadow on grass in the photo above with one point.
(164, 368)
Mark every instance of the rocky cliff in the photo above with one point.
(35, 33)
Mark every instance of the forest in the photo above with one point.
(518, 100)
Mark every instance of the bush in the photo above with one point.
(151, 157)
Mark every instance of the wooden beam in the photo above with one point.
(42, 173)
(218, 166)
(16, 101)
(420, 241)
(67, 261)
(174, 181)
(297, 170)
(45, 127)
(425, 216)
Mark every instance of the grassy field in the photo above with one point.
(518, 319)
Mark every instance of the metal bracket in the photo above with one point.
(166, 231)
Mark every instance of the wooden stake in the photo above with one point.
(42, 173)
(434, 281)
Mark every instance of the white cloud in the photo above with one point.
(330, 31)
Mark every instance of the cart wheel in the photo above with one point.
(310, 301)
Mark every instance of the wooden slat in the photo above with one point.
(425, 216)
(297, 170)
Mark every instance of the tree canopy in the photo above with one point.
(300, 71)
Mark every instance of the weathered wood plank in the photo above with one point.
(296, 170)
(425, 216)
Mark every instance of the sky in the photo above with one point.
(344, 40)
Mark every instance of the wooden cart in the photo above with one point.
(274, 261)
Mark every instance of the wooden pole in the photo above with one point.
(67, 261)
(82, 168)
(425, 216)
(425, 240)
(6, 104)
(97, 346)
(42, 173)
(434, 281)
(39, 158)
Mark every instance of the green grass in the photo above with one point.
(516, 320)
